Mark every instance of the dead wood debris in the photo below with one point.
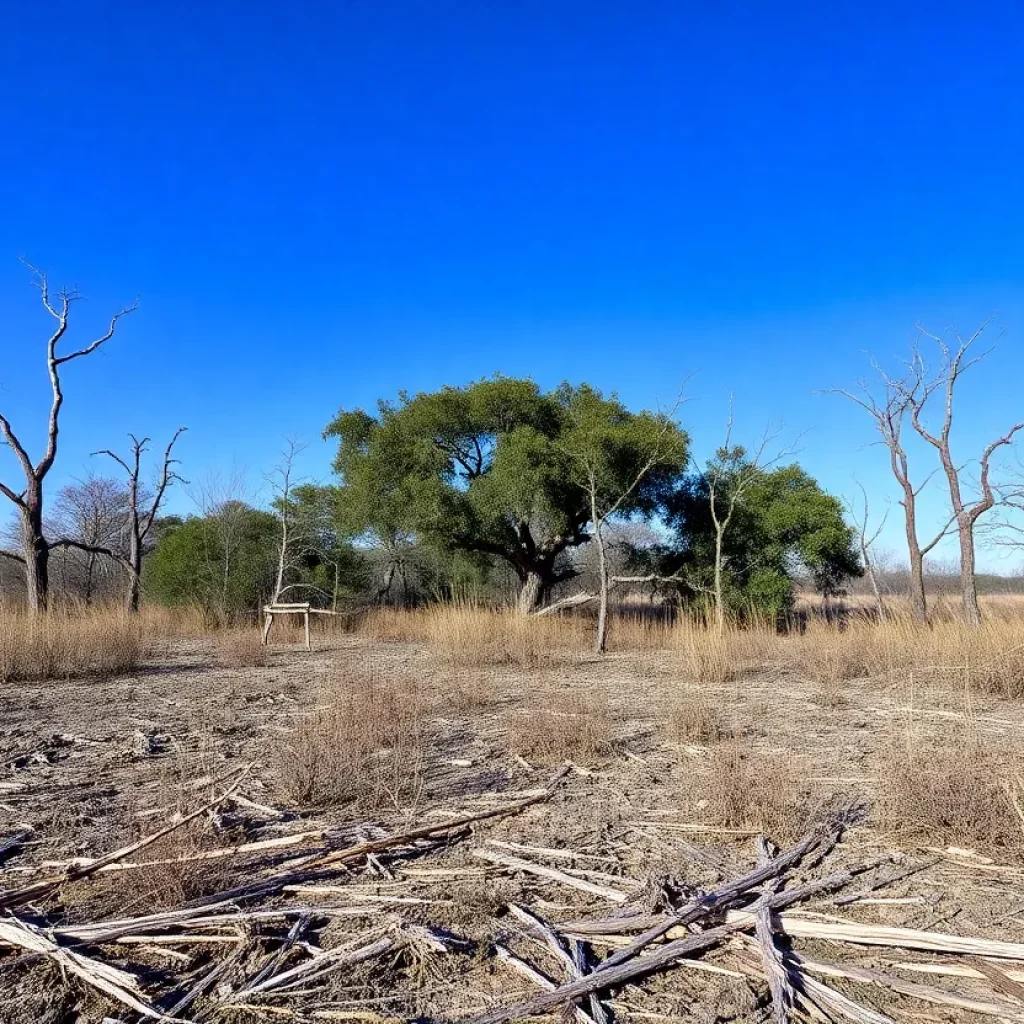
(250, 949)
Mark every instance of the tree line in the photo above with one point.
(496, 488)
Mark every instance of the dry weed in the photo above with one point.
(753, 789)
(960, 790)
(365, 747)
(242, 648)
(574, 726)
(691, 719)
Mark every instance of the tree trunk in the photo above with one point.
(532, 592)
(134, 591)
(968, 579)
(37, 558)
(90, 566)
(719, 594)
(601, 640)
(918, 601)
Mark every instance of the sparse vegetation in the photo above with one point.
(364, 745)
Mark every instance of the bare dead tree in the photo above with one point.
(95, 512)
(889, 414)
(917, 389)
(35, 548)
(296, 540)
(142, 513)
(729, 477)
(866, 542)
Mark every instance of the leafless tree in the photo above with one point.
(729, 477)
(590, 457)
(917, 389)
(142, 512)
(889, 414)
(95, 513)
(866, 542)
(297, 539)
(28, 500)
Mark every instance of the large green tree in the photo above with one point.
(492, 470)
(783, 527)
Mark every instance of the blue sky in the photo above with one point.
(320, 204)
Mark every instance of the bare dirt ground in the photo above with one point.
(655, 802)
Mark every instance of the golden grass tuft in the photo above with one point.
(572, 725)
(465, 634)
(98, 643)
(365, 746)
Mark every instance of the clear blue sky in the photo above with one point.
(319, 204)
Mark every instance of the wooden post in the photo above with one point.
(268, 621)
(305, 615)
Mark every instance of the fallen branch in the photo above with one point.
(47, 885)
(664, 956)
(556, 875)
(111, 981)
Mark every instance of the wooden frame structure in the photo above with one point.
(299, 608)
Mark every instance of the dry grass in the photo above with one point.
(242, 648)
(989, 659)
(365, 746)
(466, 634)
(692, 719)
(757, 790)
(961, 790)
(99, 642)
(573, 726)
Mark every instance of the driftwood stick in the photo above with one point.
(885, 881)
(47, 885)
(206, 981)
(528, 971)
(927, 993)
(775, 968)
(112, 982)
(715, 901)
(555, 874)
(294, 934)
(360, 850)
(635, 967)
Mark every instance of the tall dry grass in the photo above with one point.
(986, 659)
(58, 645)
(461, 633)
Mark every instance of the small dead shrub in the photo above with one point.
(691, 719)
(242, 648)
(365, 747)
(957, 790)
(753, 789)
(572, 726)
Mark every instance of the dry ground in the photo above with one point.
(673, 775)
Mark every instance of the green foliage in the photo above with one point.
(223, 561)
(784, 527)
(494, 469)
